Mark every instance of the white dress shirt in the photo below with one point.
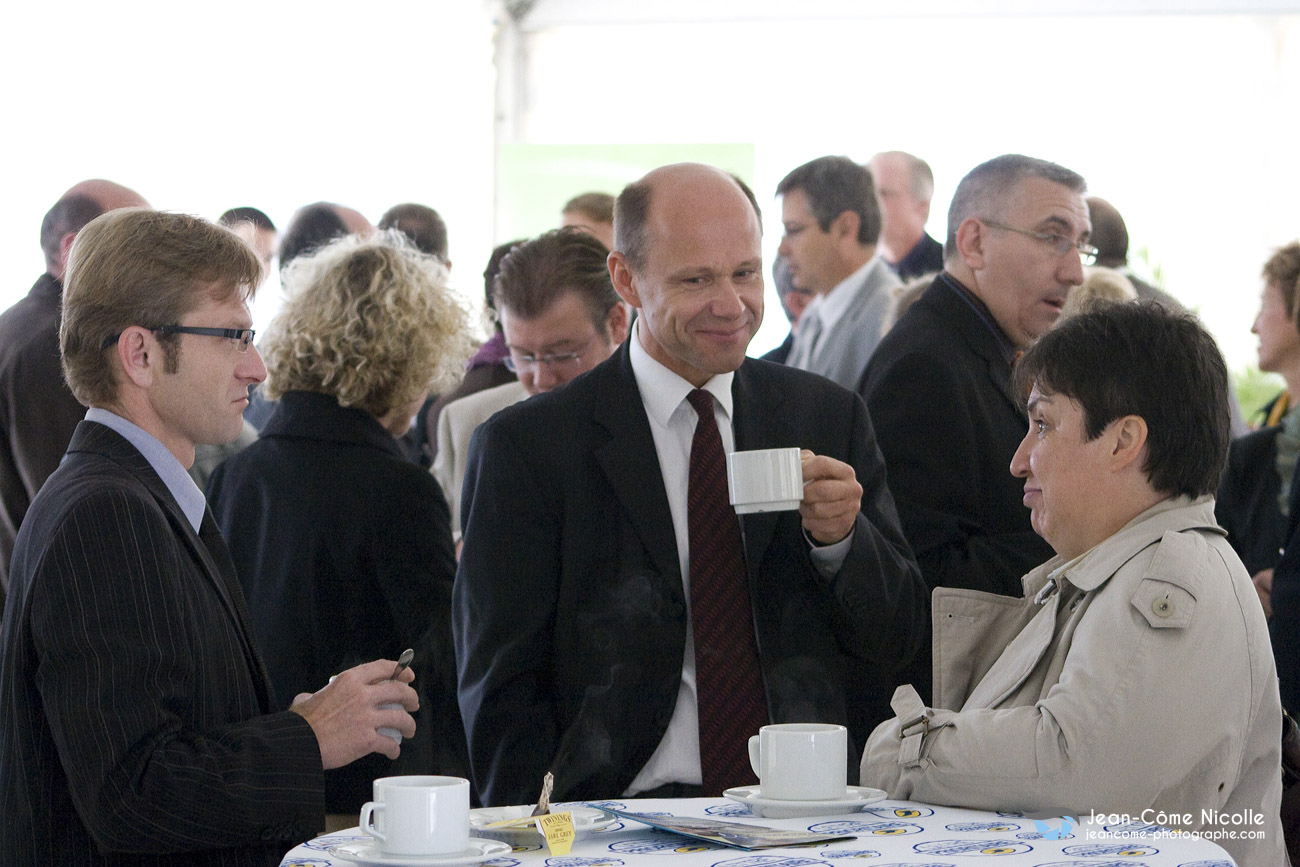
(672, 424)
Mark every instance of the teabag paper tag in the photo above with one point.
(557, 828)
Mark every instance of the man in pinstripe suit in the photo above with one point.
(138, 722)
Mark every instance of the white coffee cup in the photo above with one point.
(801, 761)
(418, 815)
(765, 480)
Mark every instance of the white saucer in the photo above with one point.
(367, 852)
(585, 820)
(855, 798)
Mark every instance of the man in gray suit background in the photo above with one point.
(832, 222)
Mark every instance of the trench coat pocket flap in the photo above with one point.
(1166, 595)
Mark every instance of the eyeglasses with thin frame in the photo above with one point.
(242, 336)
(1060, 244)
(517, 361)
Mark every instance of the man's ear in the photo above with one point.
(138, 355)
(620, 273)
(65, 247)
(616, 324)
(845, 227)
(970, 243)
(1129, 435)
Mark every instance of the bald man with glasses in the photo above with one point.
(561, 317)
(939, 385)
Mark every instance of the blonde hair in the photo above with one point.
(135, 266)
(368, 321)
(1099, 284)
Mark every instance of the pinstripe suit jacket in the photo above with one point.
(137, 724)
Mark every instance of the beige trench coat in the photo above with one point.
(1137, 677)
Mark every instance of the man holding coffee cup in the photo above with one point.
(615, 622)
(139, 718)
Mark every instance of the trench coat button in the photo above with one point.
(1162, 607)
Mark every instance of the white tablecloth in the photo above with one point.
(888, 833)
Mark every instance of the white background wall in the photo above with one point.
(1187, 122)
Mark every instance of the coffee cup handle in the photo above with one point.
(367, 817)
(754, 759)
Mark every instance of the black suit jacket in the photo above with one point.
(939, 392)
(344, 551)
(1247, 505)
(37, 410)
(1284, 625)
(569, 613)
(138, 719)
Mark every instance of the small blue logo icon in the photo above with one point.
(1055, 829)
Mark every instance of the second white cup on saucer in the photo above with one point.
(801, 761)
(418, 815)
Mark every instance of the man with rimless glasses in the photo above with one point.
(939, 385)
(560, 316)
(140, 723)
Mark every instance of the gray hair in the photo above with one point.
(920, 177)
(985, 189)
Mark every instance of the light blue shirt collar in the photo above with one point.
(663, 391)
(164, 463)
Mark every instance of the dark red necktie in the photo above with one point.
(728, 679)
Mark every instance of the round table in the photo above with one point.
(887, 833)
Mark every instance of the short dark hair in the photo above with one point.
(632, 213)
(312, 227)
(537, 272)
(69, 214)
(1140, 358)
(987, 187)
(499, 253)
(422, 224)
(246, 214)
(834, 185)
(598, 207)
(1109, 233)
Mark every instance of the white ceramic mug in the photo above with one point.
(801, 761)
(765, 480)
(418, 815)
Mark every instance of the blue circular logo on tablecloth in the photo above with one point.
(880, 829)
(995, 827)
(1128, 850)
(660, 845)
(895, 811)
(323, 844)
(973, 847)
(771, 861)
